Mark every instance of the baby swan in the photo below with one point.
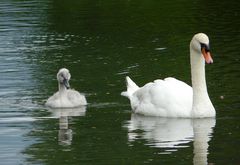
(65, 97)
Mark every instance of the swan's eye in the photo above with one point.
(205, 46)
(61, 75)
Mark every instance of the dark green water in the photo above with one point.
(101, 42)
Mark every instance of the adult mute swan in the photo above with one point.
(174, 98)
(65, 97)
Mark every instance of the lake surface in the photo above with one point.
(101, 42)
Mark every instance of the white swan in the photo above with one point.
(65, 97)
(173, 98)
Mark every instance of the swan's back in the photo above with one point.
(167, 98)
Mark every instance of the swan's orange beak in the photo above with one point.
(207, 56)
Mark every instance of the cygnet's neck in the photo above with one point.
(61, 88)
(202, 106)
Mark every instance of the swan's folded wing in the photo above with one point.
(169, 97)
(76, 98)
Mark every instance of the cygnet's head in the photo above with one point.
(200, 44)
(63, 76)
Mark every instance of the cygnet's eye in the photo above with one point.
(61, 77)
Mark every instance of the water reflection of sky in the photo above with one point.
(16, 79)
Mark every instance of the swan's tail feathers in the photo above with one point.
(131, 88)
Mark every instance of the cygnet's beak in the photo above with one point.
(206, 53)
(66, 84)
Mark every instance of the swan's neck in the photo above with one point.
(198, 75)
(202, 106)
(61, 88)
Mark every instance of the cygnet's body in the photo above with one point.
(65, 97)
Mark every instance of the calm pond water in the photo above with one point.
(101, 42)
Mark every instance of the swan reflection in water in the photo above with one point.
(65, 133)
(173, 133)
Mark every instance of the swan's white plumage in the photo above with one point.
(166, 98)
(171, 97)
(65, 98)
(131, 87)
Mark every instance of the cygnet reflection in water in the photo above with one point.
(65, 133)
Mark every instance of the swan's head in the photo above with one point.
(63, 77)
(200, 44)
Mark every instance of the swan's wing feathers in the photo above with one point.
(131, 88)
(76, 98)
(177, 83)
(167, 97)
(53, 100)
